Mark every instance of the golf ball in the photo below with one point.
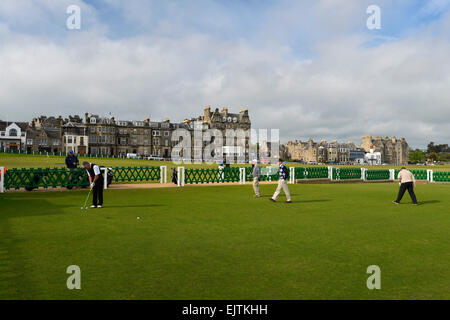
(138, 218)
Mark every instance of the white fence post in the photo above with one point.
(241, 175)
(180, 176)
(105, 178)
(2, 180)
(163, 174)
(292, 175)
(430, 175)
(363, 174)
(330, 172)
(392, 174)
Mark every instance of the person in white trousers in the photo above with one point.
(282, 183)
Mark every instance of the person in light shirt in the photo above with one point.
(407, 182)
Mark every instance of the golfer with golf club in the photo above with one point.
(96, 181)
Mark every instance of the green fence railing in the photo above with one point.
(61, 177)
(346, 173)
(136, 174)
(441, 176)
(372, 175)
(37, 178)
(211, 175)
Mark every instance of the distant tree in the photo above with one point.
(417, 155)
(432, 156)
(437, 148)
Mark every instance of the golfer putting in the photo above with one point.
(96, 183)
(407, 182)
(282, 183)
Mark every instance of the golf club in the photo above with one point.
(84, 207)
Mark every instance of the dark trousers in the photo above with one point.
(97, 193)
(406, 186)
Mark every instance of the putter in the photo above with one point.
(84, 207)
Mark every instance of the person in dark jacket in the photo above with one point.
(72, 160)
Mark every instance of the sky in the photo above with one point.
(309, 68)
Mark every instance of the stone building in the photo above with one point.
(322, 152)
(44, 134)
(222, 121)
(393, 151)
(75, 135)
(107, 136)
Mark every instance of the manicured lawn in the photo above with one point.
(220, 243)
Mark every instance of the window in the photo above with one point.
(13, 133)
(29, 141)
(104, 129)
(166, 133)
(81, 140)
(92, 129)
(145, 142)
(146, 131)
(134, 131)
(93, 120)
(123, 141)
(74, 139)
(166, 143)
(56, 142)
(156, 133)
(156, 141)
(134, 142)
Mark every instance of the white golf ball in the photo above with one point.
(138, 218)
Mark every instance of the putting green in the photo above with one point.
(221, 243)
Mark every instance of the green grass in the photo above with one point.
(220, 243)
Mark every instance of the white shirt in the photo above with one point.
(96, 170)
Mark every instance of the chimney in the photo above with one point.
(206, 114)
(225, 111)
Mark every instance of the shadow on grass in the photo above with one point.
(429, 202)
(134, 206)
